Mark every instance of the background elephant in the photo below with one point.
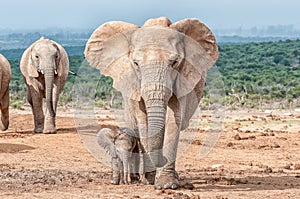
(160, 69)
(44, 66)
(122, 145)
(5, 77)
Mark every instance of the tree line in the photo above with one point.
(254, 75)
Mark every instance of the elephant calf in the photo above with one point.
(44, 66)
(123, 146)
(5, 77)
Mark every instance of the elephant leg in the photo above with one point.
(167, 177)
(50, 126)
(5, 111)
(36, 102)
(149, 170)
(134, 166)
(125, 168)
(121, 170)
(136, 118)
(115, 178)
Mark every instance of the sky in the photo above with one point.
(89, 14)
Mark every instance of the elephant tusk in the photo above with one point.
(42, 72)
(55, 72)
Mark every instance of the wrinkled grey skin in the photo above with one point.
(44, 66)
(122, 145)
(160, 68)
(5, 77)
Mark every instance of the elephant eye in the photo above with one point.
(37, 56)
(174, 62)
(135, 63)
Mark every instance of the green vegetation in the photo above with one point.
(256, 74)
(253, 75)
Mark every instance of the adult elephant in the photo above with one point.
(5, 77)
(44, 66)
(160, 69)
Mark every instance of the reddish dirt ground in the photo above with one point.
(256, 156)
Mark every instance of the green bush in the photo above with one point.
(17, 105)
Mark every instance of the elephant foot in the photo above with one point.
(4, 123)
(115, 177)
(50, 131)
(149, 178)
(134, 178)
(4, 126)
(38, 129)
(167, 180)
(39, 125)
(49, 126)
(114, 182)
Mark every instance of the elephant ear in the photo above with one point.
(108, 50)
(105, 139)
(62, 66)
(201, 53)
(31, 69)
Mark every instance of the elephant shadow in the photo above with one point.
(29, 132)
(248, 183)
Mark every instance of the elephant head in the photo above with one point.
(119, 144)
(115, 142)
(46, 58)
(153, 63)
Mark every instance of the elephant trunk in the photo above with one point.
(155, 137)
(49, 81)
(156, 97)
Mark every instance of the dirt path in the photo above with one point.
(256, 156)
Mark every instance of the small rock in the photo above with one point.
(230, 144)
(189, 186)
(268, 111)
(181, 196)
(169, 191)
(160, 192)
(136, 196)
(196, 142)
(214, 166)
(221, 197)
(237, 137)
(268, 170)
(297, 167)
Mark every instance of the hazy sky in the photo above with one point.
(39, 14)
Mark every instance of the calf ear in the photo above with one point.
(201, 53)
(105, 139)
